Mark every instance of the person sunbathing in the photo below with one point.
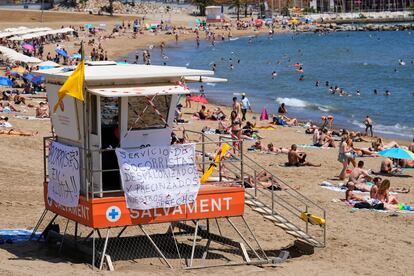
(363, 152)
(298, 158)
(203, 114)
(359, 177)
(18, 132)
(350, 195)
(382, 193)
(387, 167)
(326, 140)
(379, 145)
(272, 149)
(405, 163)
(42, 111)
(217, 115)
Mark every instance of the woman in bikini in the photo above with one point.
(382, 193)
(235, 129)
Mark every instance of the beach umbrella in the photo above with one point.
(19, 70)
(76, 56)
(5, 82)
(28, 46)
(294, 21)
(46, 67)
(49, 63)
(397, 153)
(88, 26)
(199, 99)
(38, 80)
(28, 77)
(62, 53)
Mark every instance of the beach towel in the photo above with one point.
(31, 118)
(342, 188)
(16, 235)
(352, 204)
(264, 115)
(310, 146)
(264, 128)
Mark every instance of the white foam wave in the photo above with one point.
(394, 130)
(210, 84)
(324, 109)
(233, 39)
(292, 102)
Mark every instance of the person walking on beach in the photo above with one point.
(236, 106)
(245, 104)
(368, 125)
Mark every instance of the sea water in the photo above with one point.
(351, 60)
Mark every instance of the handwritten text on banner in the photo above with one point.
(64, 174)
(159, 176)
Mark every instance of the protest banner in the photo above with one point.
(64, 174)
(159, 176)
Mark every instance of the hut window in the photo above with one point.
(94, 114)
(141, 115)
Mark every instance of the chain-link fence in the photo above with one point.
(179, 245)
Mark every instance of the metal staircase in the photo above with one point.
(280, 203)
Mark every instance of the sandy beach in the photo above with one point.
(359, 242)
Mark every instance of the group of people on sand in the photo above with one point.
(379, 191)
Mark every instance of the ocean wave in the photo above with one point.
(394, 130)
(233, 39)
(293, 102)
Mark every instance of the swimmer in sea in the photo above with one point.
(327, 83)
(358, 93)
(375, 92)
(302, 77)
(401, 62)
(231, 67)
(274, 75)
(387, 93)
(317, 83)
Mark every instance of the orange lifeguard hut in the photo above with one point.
(131, 108)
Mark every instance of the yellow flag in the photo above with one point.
(73, 86)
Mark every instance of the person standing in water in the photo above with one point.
(368, 125)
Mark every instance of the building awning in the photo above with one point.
(140, 90)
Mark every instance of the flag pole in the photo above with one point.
(85, 117)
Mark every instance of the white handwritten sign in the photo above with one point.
(64, 174)
(159, 176)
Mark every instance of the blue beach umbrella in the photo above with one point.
(89, 26)
(38, 80)
(28, 77)
(5, 82)
(397, 153)
(62, 53)
(77, 55)
(46, 67)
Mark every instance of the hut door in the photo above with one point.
(95, 142)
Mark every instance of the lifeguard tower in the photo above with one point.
(128, 110)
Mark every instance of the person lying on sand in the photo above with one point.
(297, 158)
(272, 149)
(387, 167)
(18, 132)
(363, 152)
(283, 120)
(379, 145)
(264, 180)
(405, 163)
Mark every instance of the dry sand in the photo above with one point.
(358, 243)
